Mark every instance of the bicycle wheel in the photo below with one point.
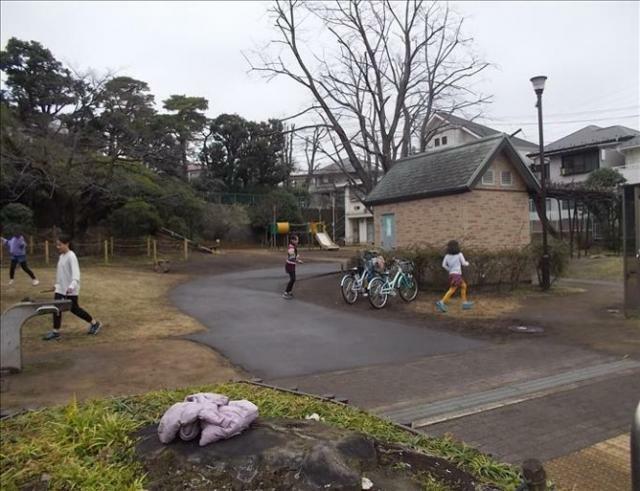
(377, 298)
(349, 293)
(408, 289)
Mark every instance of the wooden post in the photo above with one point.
(111, 245)
(148, 246)
(186, 249)
(46, 252)
(31, 247)
(106, 252)
(155, 251)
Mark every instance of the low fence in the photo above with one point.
(42, 249)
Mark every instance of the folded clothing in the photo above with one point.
(212, 416)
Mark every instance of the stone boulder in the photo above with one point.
(280, 454)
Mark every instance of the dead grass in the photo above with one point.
(131, 302)
(596, 268)
(487, 305)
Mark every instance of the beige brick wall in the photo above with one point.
(480, 218)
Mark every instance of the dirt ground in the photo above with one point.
(139, 348)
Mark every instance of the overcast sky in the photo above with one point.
(589, 50)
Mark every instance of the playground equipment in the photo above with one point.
(310, 230)
(11, 324)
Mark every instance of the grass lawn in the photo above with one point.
(89, 446)
(131, 302)
(139, 348)
(596, 268)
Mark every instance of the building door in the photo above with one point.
(388, 235)
(370, 231)
(631, 248)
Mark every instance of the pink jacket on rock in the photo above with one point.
(212, 416)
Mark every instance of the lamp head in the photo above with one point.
(538, 83)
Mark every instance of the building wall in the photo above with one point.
(482, 218)
(632, 157)
(490, 216)
(455, 136)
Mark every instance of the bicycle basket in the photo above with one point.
(406, 266)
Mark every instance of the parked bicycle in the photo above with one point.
(403, 280)
(356, 281)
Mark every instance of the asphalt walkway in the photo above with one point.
(250, 323)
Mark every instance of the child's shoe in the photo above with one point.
(467, 305)
(441, 306)
(10, 282)
(35, 282)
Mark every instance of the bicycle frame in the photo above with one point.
(389, 287)
(358, 285)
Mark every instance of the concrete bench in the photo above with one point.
(11, 324)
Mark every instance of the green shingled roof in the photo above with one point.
(449, 171)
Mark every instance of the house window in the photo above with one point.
(436, 142)
(532, 206)
(579, 163)
(487, 178)
(444, 140)
(506, 178)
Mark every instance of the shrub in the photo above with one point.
(16, 219)
(558, 258)
(177, 225)
(509, 267)
(134, 219)
(226, 222)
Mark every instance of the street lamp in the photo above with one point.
(538, 86)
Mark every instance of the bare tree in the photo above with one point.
(394, 65)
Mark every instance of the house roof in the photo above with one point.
(632, 143)
(447, 171)
(591, 136)
(480, 130)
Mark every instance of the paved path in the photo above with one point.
(251, 324)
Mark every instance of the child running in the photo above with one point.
(290, 266)
(68, 287)
(453, 262)
(18, 252)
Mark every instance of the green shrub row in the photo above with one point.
(506, 268)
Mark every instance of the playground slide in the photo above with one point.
(325, 241)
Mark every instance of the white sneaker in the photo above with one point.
(10, 282)
(35, 282)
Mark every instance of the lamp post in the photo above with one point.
(538, 87)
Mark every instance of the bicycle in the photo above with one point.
(403, 280)
(356, 280)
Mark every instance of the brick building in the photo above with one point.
(477, 193)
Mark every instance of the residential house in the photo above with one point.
(336, 181)
(476, 192)
(572, 158)
(450, 130)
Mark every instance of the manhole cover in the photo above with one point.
(527, 329)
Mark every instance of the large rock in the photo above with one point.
(283, 454)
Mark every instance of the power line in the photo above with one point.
(576, 113)
(511, 123)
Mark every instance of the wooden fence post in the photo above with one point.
(186, 249)
(148, 246)
(46, 252)
(106, 252)
(111, 239)
(31, 247)
(155, 251)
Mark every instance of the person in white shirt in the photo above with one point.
(68, 287)
(453, 262)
